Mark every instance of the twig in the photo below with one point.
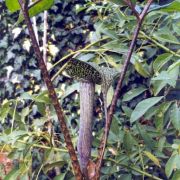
(159, 44)
(135, 169)
(52, 93)
(118, 89)
(45, 37)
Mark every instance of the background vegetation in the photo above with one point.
(144, 135)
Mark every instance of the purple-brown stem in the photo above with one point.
(52, 93)
(118, 89)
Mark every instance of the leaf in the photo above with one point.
(171, 164)
(133, 93)
(141, 69)
(36, 9)
(176, 175)
(172, 7)
(158, 86)
(165, 35)
(175, 116)
(160, 61)
(43, 97)
(13, 174)
(128, 141)
(4, 110)
(152, 158)
(159, 118)
(145, 136)
(110, 95)
(174, 65)
(12, 5)
(70, 89)
(143, 106)
(116, 46)
(161, 143)
(60, 177)
(50, 166)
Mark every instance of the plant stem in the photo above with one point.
(52, 93)
(118, 89)
(87, 91)
(159, 44)
(135, 169)
(43, 147)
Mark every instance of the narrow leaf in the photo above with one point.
(152, 158)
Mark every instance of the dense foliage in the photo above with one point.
(144, 135)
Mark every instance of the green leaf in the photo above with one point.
(116, 46)
(159, 118)
(175, 116)
(161, 143)
(128, 141)
(50, 166)
(43, 97)
(117, 2)
(167, 77)
(145, 136)
(133, 93)
(60, 177)
(171, 164)
(110, 95)
(170, 7)
(152, 158)
(166, 36)
(158, 86)
(174, 6)
(160, 61)
(174, 65)
(4, 110)
(13, 174)
(141, 69)
(36, 9)
(176, 175)
(143, 106)
(12, 5)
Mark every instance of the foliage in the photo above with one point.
(144, 133)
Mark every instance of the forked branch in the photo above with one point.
(119, 85)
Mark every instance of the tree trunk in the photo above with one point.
(85, 131)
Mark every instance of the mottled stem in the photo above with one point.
(87, 90)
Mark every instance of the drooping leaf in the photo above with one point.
(143, 106)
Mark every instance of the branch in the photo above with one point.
(52, 93)
(132, 7)
(118, 89)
